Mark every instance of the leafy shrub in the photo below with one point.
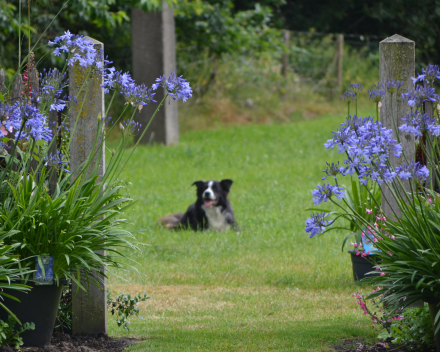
(414, 330)
(11, 337)
(125, 306)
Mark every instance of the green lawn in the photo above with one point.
(269, 287)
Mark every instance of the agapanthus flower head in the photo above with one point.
(418, 123)
(116, 80)
(317, 223)
(393, 86)
(81, 50)
(34, 124)
(355, 88)
(56, 160)
(137, 95)
(349, 96)
(419, 173)
(51, 88)
(368, 145)
(377, 93)
(325, 192)
(420, 94)
(176, 87)
(131, 126)
(428, 75)
(334, 170)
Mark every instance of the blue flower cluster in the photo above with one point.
(56, 160)
(177, 87)
(13, 117)
(80, 49)
(334, 170)
(368, 145)
(51, 89)
(428, 75)
(418, 123)
(419, 173)
(377, 94)
(420, 94)
(131, 126)
(317, 223)
(325, 192)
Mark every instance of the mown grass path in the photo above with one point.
(267, 288)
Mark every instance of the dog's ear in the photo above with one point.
(198, 184)
(226, 185)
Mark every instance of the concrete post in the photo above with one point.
(339, 59)
(2, 81)
(285, 62)
(154, 54)
(396, 61)
(89, 308)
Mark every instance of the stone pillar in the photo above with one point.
(396, 61)
(2, 81)
(89, 307)
(154, 54)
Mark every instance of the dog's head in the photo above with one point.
(212, 193)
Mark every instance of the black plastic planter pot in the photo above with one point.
(362, 265)
(38, 306)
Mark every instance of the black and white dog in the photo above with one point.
(212, 209)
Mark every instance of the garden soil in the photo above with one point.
(358, 345)
(80, 343)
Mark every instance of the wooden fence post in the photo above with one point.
(285, 62)
(2, 81)
(154, 54)
(339, 56)
(396, 62)
(89, 308)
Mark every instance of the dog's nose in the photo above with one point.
(206, 193)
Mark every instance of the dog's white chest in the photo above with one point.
(216, 218)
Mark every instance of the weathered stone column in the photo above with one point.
(154, 54)
(2, 81)
(89, 308)
(396, 62)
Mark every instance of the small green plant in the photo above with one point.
(11, 337)
(414, 330)
(63, 320)
(125, 306)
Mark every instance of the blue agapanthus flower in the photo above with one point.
(56, 160)
(325, 192)
(34, 124)
(116, 80)
(349, 96)
(355, 88)
(81, 50)
(51, 87)
(428, 75)
(393, 86)
(419, 173)
(368, 145)
(420, 94)
(317, 223)
(377, 93)
(418, 123)
(138, 94)
(176, 87)
(334, 170)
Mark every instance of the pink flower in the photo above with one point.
(382, 274)
(368, 211)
